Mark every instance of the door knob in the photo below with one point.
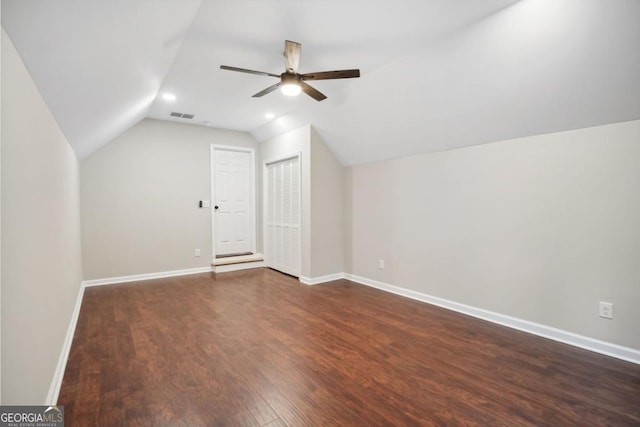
(216, 207)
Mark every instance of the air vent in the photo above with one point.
(182, 115)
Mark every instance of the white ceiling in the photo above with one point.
(436, 74)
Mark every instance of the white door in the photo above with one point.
(232, 201)
(282, 216)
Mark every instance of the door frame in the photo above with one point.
(252, 201)
(265, 201)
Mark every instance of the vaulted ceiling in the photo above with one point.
(436, 74)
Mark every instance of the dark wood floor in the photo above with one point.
(257, 348)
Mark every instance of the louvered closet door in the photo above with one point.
(283, 216)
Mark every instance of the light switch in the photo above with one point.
(206, 204)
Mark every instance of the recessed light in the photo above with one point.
(269, 116)
(168, 97)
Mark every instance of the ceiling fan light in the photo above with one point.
(290, 89)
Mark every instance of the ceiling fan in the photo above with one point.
(291, 82)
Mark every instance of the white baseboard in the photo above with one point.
(147, 276)
(321, 279)
(598, 346)
(56, 382)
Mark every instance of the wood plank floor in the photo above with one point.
(257, 348)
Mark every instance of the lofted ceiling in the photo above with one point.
(436, 74)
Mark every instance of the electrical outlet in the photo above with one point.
(606, 310)
(197, 252)
(381, 264)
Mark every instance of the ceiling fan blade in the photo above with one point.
(267, 90)
(314, 93)
(328, 75)
(244, 70)
(291, 56)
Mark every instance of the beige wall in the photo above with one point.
(1, 34)
(539, 228)
(327, 210)
(41, 257)
(347, 219)
(140, 198)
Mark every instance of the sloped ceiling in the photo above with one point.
(436, 74)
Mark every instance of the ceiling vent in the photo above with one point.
(182, 115)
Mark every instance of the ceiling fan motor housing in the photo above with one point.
(290, 78)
